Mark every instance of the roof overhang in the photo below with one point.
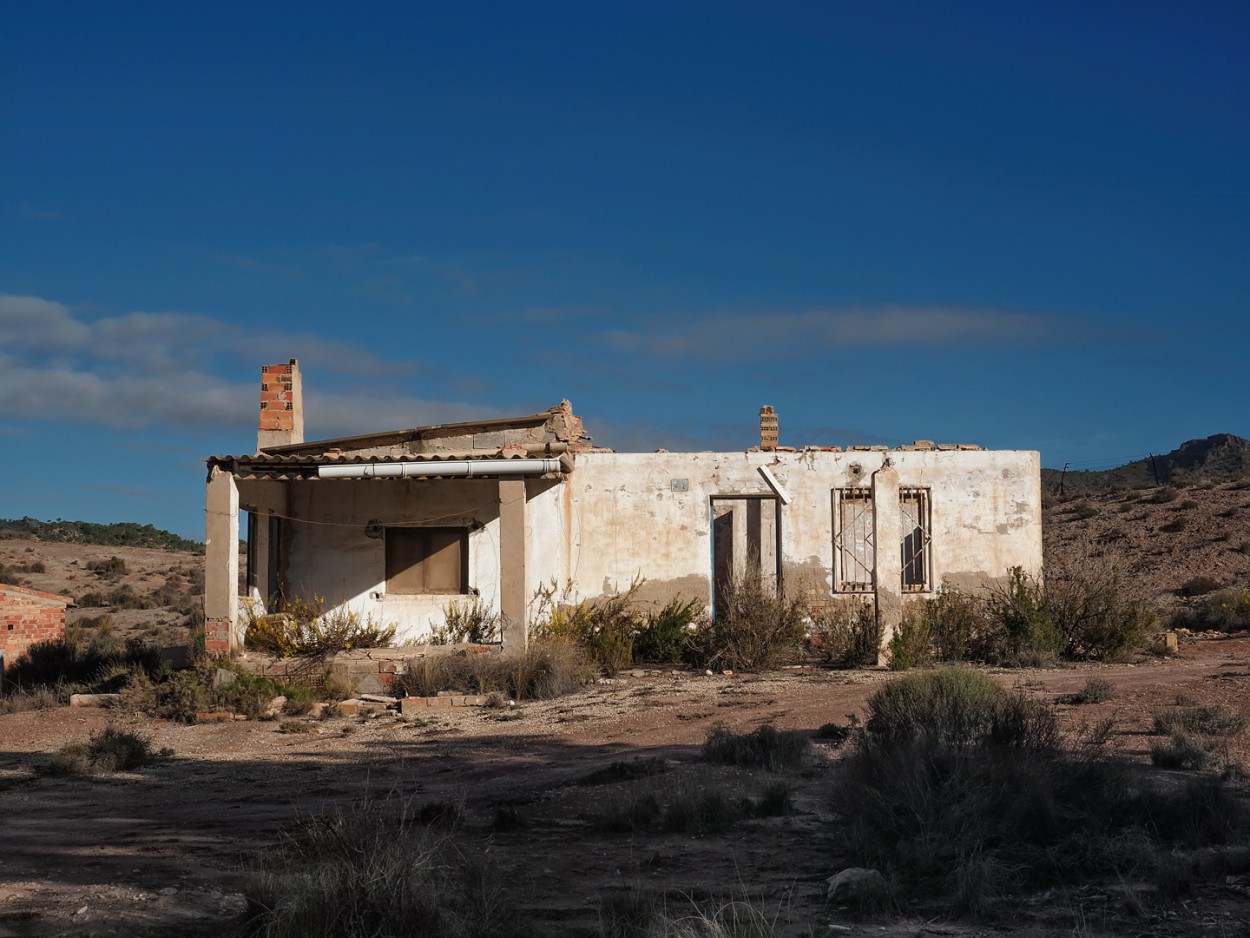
(293, 467)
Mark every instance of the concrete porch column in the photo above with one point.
(887, 532)
(221, 563)
(512, 599)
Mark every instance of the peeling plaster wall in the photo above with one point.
(628, 520)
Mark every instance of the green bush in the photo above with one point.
(1023, 620)
(1078, 615)
(911, 646)
(664, 636)
(756, 629)
(1096, 616)
(604, 628)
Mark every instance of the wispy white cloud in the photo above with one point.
(142, 370)
(776, 334)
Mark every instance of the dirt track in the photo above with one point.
(155, 852)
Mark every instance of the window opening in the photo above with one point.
(853, 540)
(917, 539)
(427, 560)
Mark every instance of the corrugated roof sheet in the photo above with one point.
(299, 466)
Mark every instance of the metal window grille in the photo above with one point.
(853, 540)
(917, 540)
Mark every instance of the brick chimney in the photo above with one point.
(281, 406)
(768, 429)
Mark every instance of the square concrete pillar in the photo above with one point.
(887, 534)
(514, 627)
(221, 563)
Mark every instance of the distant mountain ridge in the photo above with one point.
(121, 534)
(1218, 457)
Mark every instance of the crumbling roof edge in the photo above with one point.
(37, 594)
(400, 436)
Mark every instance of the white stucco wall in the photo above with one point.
(628, 520)
(619, 516)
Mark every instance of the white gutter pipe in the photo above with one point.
(436, 467)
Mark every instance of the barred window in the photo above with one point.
(854, 556)
(917, 540)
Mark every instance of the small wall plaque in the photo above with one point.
(681, 485)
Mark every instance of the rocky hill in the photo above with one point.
(1216, 458)
(1166, 540)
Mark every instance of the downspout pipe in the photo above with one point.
(462, 468)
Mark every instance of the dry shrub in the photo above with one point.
(307, 627)
(695, 803)
(963, 803)
(546, 669)
(846, 634)
(604, 627)
(92, 662)
(757, 628)
(108, 750)
(471, 623)
(1096, 690)
(374, 870)
(1082, 613)
(1203, 720)
(634, 914)
(766, 747)
(958, 707)
(1225, 611)
(1199, 586)
(38, 698)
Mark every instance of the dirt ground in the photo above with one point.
(158, 852)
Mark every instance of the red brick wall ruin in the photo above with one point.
(28, 616)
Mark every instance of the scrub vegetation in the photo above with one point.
(306, 628)
(961, 793)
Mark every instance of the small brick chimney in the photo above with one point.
(281, 406)
(768, 429)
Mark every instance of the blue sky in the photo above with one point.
(1022, 225)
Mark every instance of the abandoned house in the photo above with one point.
(398, 524)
